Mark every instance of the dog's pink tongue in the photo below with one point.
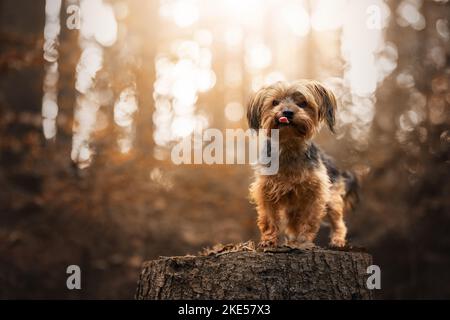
(283, 120)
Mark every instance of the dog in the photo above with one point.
(308, 188)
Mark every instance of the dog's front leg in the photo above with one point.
(310, 224)
(268, 224)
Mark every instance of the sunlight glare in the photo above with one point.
(325, 15)
(98, 22)
(125, 108)
(234, 111)
(50, 97)
(297, 19)
(258, 56)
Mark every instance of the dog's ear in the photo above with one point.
(327, 103)
(254, 109)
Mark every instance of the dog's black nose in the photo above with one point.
(288, 114)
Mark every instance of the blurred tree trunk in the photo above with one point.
(146, 75)
(21, 74)
(310, 274)
(20, 47)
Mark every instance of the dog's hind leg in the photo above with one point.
(335, 215)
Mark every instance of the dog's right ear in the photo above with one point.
(254, 106)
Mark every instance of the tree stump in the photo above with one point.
(241, 272)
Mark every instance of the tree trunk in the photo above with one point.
(282, 273)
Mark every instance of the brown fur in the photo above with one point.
(302, 193)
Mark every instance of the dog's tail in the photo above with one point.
(351, 197)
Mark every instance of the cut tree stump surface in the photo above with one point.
(242, 272)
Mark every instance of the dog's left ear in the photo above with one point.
(327, 104)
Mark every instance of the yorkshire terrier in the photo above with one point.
(308, 188)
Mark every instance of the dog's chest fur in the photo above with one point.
(302, 178)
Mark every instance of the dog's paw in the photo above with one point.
(264, 244)
(337, 243)
(306, 245)
(291, 243)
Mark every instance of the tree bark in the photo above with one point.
(284, 273)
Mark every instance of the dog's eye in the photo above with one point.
(302, 104)
(275, 102)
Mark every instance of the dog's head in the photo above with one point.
(297, 108)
